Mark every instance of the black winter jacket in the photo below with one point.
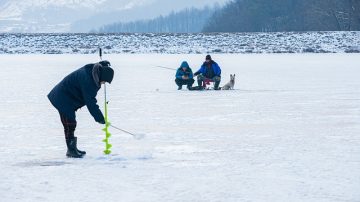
(77, 90)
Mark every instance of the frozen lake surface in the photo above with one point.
(290, 131)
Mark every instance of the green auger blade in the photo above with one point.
(106, 129)
(108, 146)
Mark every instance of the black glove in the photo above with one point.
(102, 122)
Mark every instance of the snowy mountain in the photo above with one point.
(81, 15)
(42, 15)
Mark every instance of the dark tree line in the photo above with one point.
(185, 21)
(253, 16)
(286, 15)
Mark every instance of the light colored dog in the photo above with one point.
(230, 85)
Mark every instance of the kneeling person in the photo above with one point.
(184, 76)
(209, 70)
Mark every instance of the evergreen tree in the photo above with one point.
(286, 15)
(186, 21)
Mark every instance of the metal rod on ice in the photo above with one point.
(137, 136)
(123, 130)
(165, 67)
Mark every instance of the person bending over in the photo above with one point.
(75, 91)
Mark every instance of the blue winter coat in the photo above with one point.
(75, 91)
(203, 69)
(180, 72)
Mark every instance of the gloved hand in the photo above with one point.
(102, 122)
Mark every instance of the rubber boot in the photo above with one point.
(216, 85)
(81, 152)
(72, 151)
(200, 83)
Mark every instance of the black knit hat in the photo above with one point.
(106, 74)
(105, 63)
(208, 57)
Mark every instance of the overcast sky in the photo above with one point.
(82, 15)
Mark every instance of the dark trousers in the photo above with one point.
(181, 82)
(201, 81)
(69, 127)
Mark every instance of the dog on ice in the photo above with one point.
(230, 85)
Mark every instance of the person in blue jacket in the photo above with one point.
(184, 76)
(75, 91)
(209, 70)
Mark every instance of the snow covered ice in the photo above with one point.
(288, 132)
(276, 42)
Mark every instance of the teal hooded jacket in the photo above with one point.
(180, 72)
